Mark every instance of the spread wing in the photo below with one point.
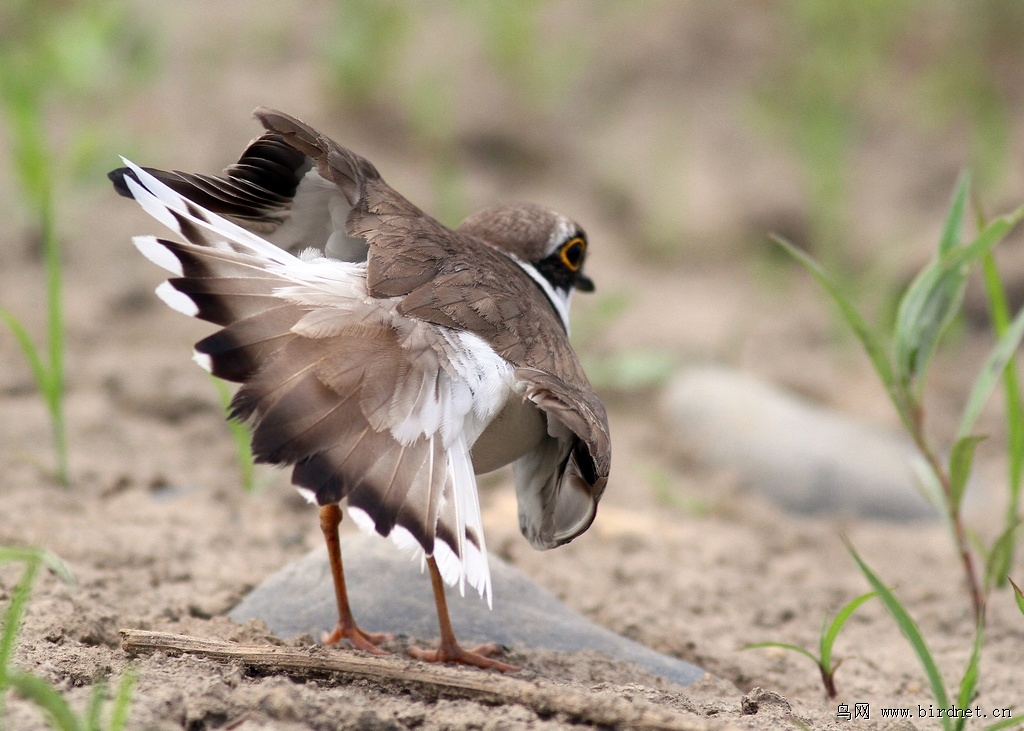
(274, 191)
(368, 405)
(413, 257)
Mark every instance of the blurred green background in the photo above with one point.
(679, 133)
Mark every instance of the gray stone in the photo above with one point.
(388, 593)
(806, 458)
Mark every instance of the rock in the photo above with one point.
(389, 593)
(806, 458)
(766, 702)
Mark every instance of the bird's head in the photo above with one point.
(550, 247)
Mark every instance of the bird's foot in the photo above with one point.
(360, 640)
(452, 652)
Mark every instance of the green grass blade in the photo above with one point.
(929, 485)
(1012, 722)
(999, 557)
(925, 311)
(32, 355)
(932, 299)
(57, 566)
(784, 646)
(1000, 312)
(55, 328)
(12, 619)
(1013, 403)
(241, 434)
(829, 635)
(909, 629)
(50, 384)
(955, 220)
(994, 368)
(47, 698)
(49, 377)
(869, 340)
(960, 460)
(12, 622)
(988, 237)
(1018, 595)
(95, 705)
(32, 558)
(29, 553)
(969, 682)
(123, 701)
(54, 293)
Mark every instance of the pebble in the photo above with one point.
(388, 593)
(806, 458)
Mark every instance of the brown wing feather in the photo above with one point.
(323, 404)
(316, 404)
(414, 257)
(582, 412)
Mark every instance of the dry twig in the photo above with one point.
(432, 681)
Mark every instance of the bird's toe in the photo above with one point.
(477, 657)
(360, 640)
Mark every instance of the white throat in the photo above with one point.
(559, 299)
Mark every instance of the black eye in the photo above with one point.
(572, 252)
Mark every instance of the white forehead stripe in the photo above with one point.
(561, 233)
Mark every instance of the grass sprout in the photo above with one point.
(826, 662)
(241, 435)
(34, 559)
(1018, 595)
(33, 688)
(60, 713)
(34, 172)
(909, 630)
(52, 51)
(1001, 559)
(926, 310)
(967, 689)
(47, 362)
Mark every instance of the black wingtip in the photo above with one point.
(117, 177)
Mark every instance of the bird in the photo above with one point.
(386, 358)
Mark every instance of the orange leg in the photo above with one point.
(347, 629)
(449, 650)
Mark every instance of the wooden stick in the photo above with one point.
(434, 681)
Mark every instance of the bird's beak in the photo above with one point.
(584, 283)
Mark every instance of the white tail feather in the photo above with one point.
(474, 560)
(158, 200)
(176, 300)
(151, 248)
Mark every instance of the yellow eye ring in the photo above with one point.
(571, 253)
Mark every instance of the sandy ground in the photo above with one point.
(160, 536)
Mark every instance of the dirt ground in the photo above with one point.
(159, 535)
